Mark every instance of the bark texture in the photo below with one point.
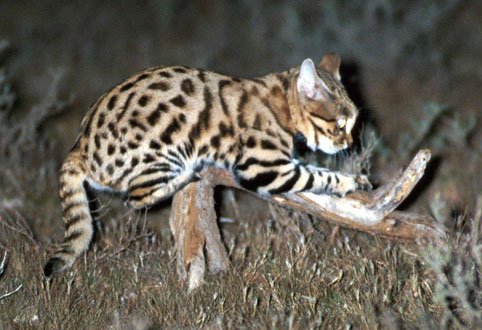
(198, 241)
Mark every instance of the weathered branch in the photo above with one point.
(3, 265)
(373, 212)
(193, 220)
(8, 294)
(194, 227)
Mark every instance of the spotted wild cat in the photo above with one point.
(148, 136)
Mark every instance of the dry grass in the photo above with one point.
(299, 281)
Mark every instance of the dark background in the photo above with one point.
(413, 67)
(401, 55)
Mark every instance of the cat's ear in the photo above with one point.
(331, 63)
(309, 84)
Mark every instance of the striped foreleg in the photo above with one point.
(287, 176)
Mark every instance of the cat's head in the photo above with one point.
(327, 115)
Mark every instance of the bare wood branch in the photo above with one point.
(194, 227)
(368, 212)
(3, 264)
(8, 294)
(193, 219)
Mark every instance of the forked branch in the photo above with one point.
(193, 220)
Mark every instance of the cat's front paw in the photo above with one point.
(350, 183)
(345, 185)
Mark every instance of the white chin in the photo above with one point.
(312, 146)
(329, 149)
(325, 146)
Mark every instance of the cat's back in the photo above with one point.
(149, 114)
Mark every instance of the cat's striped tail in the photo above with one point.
(76, 215)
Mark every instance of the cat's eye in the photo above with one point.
(341, 123)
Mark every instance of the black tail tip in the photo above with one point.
(54, 265)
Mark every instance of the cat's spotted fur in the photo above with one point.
(148, 136)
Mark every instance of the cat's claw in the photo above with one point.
(363, 183)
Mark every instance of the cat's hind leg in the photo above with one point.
(153, 186)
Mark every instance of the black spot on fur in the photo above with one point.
(110, 149)
(178, 101)
(161, 85)
(259, 81)
(180, 70)
(201, 74)
(225, 130)
(132, 145)
(136, 124)
(148, 158)
(221, 85)
(144, 100)
(97, 141)
(203, 150)
(125, 106)
(165, 74)
(187, 86)
(251, 142)
(170, 129)
(153, 118)
(113, 130)
(284, 143)
(154, 145)
(97, 159)
(100, 120)
(203, 118)
(254, 91)
(257, 123)
(126, 87)
(112, 101)
(268, 145)
(284, 81)
(215, 141)
(142, 77)
(242, 103)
